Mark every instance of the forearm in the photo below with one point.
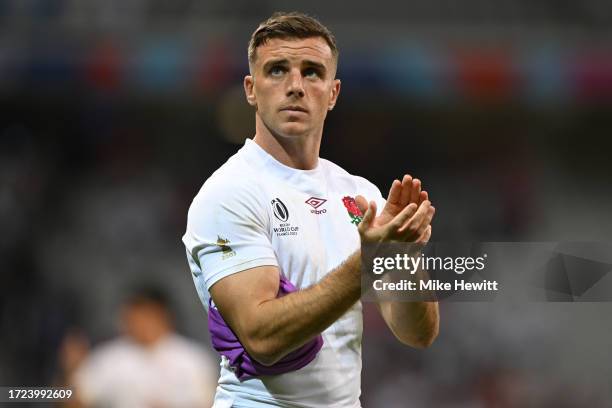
(286, 323)
(413, 323)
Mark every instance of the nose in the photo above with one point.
(295, 86)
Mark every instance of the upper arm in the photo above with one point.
(232, 256)
(238, 296)
(227, 232)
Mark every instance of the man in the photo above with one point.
(150, 365)
(273, 242)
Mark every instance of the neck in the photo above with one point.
(299, 151)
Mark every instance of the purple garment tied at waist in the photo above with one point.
(226, 343)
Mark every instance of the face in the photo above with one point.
(292, 85)
(145, 322)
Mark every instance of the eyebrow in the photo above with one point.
(283, 61)
(315, 65)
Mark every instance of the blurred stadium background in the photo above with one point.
(113, 113)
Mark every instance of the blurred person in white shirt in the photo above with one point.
(148, 366)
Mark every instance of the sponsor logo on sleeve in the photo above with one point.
(226, 250)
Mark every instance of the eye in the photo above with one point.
(276, 70)
(311, 73)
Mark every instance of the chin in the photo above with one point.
(292, 129)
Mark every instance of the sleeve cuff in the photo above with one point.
(253, 263)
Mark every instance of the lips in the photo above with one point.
(294, 108)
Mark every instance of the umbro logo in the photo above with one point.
(315, 203)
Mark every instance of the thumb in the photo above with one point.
(362, 203)
(368, 217)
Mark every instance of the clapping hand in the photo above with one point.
(406, 216)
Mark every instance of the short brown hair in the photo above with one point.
(290, 25)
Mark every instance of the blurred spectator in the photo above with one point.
(148, 366)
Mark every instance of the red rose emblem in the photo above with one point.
(354, 211)
(351, 206)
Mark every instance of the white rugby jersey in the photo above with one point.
(174, 372)
(255, 211)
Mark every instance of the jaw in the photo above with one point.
(283, 128)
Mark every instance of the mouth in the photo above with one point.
(294, 108)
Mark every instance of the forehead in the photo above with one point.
(295, 49)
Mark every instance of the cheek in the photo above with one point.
(264, 96)
(322, 93)
(322, 96)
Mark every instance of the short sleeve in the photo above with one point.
(227, 231)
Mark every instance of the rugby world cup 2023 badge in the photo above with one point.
(281, 213)
(353, 211)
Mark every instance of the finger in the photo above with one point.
(395, 192)
(406, 185)
(368, 217)
(401, 218)
(415, 191)
(426, 220)
(425, 236)
(423, 196)
(411, 228)
(362, 203)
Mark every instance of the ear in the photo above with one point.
(335, 91)
(249, 84)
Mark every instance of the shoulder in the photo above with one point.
(231, 205)
(353, 182)
(227, 188)
(235, 176)
(232, 188)
(112, 349)
(104, 357)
